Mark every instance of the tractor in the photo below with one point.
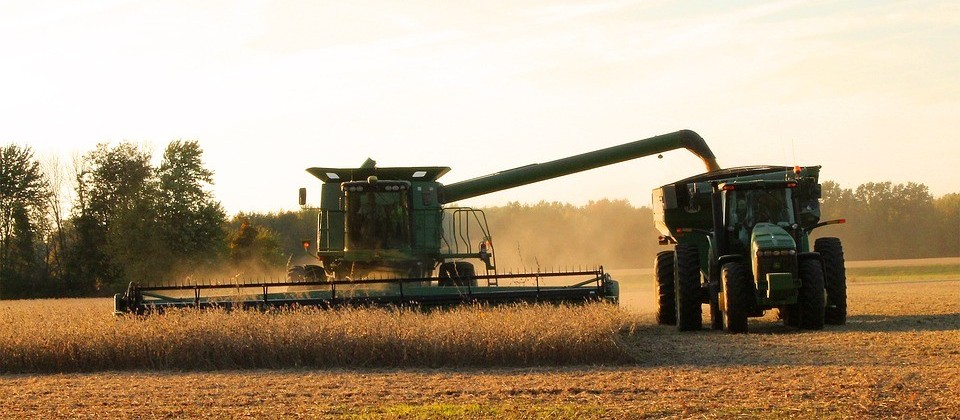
(741, 240)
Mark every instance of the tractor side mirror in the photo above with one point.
(303, 196)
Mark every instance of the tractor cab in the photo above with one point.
(758, 215)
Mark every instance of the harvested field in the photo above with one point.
(898, 356)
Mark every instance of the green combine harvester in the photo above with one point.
(742, 246)
(388, 236)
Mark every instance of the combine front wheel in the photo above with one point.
(665, 291)
(688, 290)
(459, 274)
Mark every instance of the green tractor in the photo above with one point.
(742, 246)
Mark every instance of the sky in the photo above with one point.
(867, 89)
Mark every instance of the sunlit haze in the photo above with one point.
(868, 89)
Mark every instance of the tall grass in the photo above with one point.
(81, 335)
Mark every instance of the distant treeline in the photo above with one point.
(131, 221)
(128, 221)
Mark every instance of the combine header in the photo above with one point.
(385, 236)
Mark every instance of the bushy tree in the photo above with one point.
(115, 231)
(191, 221)
(254, 246)
(23, 194)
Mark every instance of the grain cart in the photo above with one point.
(389, 236)
(742, 245)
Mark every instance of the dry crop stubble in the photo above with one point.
(898, 356)
(81, 335)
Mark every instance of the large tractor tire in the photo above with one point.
(834, 278)
(665, 291)
(459, 274)
(811, 299)
(738, 297)
(688, 291)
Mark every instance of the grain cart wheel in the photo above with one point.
(665, 291)
(834, 280)
(296, 273)
(738, 297)
(810, 301)
(687, 282)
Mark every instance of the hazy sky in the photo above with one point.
(868, 89)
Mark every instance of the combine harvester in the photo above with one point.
(742, 239)
(384, 236)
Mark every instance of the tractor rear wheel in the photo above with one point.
(810, 301)
(688, 289)
(665, 291)
(738, 297)
(834, 278)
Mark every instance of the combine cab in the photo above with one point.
(385, 236)
(742, 245)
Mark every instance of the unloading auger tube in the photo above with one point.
(536, 172)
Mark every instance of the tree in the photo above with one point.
(254, 246)
(23, 194)
(114, 218)
(190, 220)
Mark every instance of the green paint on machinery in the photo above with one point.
(742, 245)
(389, 236)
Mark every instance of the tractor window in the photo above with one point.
(377, 220)
(749, 207)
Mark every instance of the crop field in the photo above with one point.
(898, 356)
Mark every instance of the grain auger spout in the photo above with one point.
(385, 236)
(683, 139)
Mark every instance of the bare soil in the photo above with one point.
(898, 356)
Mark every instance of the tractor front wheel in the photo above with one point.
(688, 289)
(835, 279)
(665, 291)
(738, 297)
(810, 301)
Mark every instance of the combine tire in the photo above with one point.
(835, 280)
(738, 297)
(810, 301)
(459, 274)
(687, 282)
(296, 274)
(665, 290)
(314, 273)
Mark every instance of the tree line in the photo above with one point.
(126, 220)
